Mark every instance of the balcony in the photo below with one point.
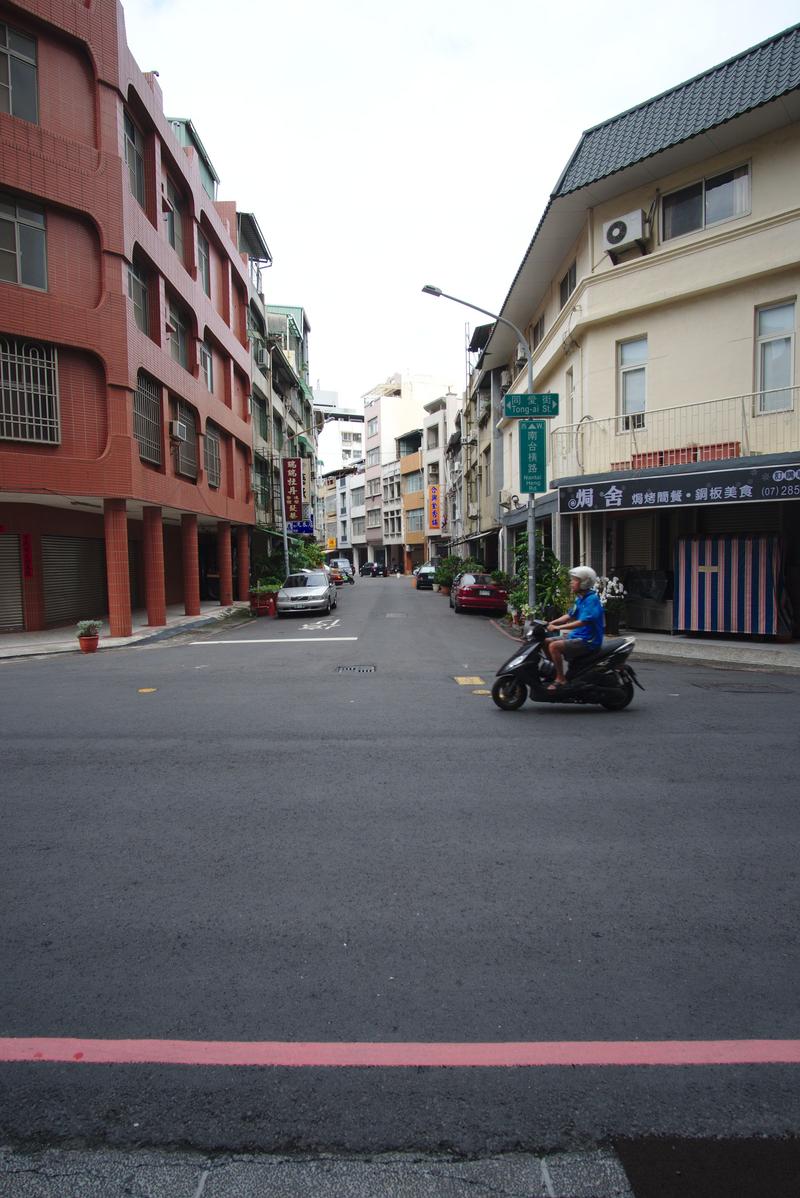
(715, 430)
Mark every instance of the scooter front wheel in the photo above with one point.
(508, 693)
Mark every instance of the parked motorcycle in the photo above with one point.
(603, 676)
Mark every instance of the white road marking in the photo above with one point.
(280, 640)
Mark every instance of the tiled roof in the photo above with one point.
(747, 81)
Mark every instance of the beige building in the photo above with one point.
(659, 298)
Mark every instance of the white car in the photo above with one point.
(308, 590)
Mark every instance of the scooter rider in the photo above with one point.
(584, 625)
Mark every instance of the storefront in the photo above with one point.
(705, 550)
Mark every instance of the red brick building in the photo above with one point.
(125, 436)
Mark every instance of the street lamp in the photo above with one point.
(429, 289)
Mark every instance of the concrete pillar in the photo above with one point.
(243, 561)
(153, 549)
(224, 564)
(115, 518)
(191, 566)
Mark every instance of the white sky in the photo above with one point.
(384, 146)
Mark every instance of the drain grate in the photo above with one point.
(744, 688)
(355, 669)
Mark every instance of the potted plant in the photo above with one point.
(446, 571)
(262, 597)
(612, 596)
(88, 633)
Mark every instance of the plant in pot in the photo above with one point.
(612, 596)
(262, 597)
(88, 634)
(446, 571)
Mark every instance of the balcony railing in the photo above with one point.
(715, 430)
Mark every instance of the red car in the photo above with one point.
(478, 591)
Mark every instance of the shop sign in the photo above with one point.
(532, 456)
(330, 543)
(701, 489)
(307, 492)
(301, 528)
(293, 488)
(434, 512)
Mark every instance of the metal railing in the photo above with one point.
(736, 426)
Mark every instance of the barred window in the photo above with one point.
(28, 392)
(147, 418)
(134, 159)
(18, 83)
(23, 254)
(211, 456)
(187, 450)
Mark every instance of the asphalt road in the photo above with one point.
(235, 842)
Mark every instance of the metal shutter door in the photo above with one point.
(734, 519)
(10, 583)
(637, 542)
(74, 571)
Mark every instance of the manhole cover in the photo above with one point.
(743, 688)
(355, 669)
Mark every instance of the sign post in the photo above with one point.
(532, 409)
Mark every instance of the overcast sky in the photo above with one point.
(383, 146)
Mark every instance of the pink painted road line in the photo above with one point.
(310, 1054)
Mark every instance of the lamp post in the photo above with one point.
(428, 289)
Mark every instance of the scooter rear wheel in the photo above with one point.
(617, 699)
(509, 694)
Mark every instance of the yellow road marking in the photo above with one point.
(470, 680)
(147, 690)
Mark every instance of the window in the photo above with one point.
(374, 457)
(358, 526)
(204, 261)
(343, 530)
(343, 505)
(433, 474)
(356, 438)
(28, 391)
(346, 455)
(134, 159)
(721, 197)
(18, 92)
(373, 487)
(372, 427)
(137, 291)
(538, 328)
(432, 441)
(207, 366)
(147, 418)
(23, 252)
(277, 429)
(487, 471)
(374, 518)
(347, 438)
(260, 418)
(187, 450)
(775, 358)
(414, 519)
(211, 457)
(178, 335)
(357, 496)
(632, 382)
(569, 397)
(173, 215)
(567, 285)
(412, 482)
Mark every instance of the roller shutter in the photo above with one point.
(10, 583)
(74, 573)
(737, 519)
(637, 542)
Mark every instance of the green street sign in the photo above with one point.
(532, 456)
(525, 406)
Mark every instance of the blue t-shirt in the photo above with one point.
(589, 609)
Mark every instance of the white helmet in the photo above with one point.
(585, 575)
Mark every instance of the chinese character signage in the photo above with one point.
(330, 543)
(683, 490)
(532, 456)
(434, 511)
(293, 488)
(307, 492)
(543, 404)
(301, 528)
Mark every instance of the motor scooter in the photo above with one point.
(603, 677)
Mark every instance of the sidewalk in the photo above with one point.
(64, 640)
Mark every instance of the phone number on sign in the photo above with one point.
(787, 490)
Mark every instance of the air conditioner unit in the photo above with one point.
(261, 355)
(505, 378)
(624, 233)
(505, 499)
(178, 430)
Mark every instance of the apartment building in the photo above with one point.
(125, 433)
(659, 299)
(412, 488)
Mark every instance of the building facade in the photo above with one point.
(125, 432)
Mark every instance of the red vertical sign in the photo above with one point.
(293, 488)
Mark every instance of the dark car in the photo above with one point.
(478, 591)
(425, 578)
(373, 570)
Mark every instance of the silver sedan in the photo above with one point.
(313, 590)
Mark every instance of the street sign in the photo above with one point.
(301, 528)
(525, 406)
(532, 456)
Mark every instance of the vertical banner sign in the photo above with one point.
(532, 456)
(293, 488)
(434, 514)
(307, 496)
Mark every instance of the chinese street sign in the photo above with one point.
(434, 513)
(698, 489)
(293, 488)
(301, 528)
(525, 406)
(532, 456)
